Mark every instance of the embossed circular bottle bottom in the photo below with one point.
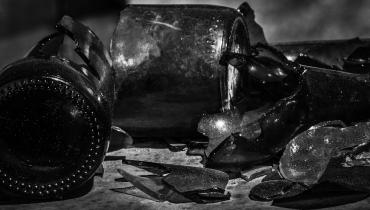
(50, 141)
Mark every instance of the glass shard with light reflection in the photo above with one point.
(217, 127)
(306, 157)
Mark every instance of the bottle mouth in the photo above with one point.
(50, 139)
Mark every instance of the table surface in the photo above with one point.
(102, 197)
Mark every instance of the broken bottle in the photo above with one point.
(55, 116)
(167, 62)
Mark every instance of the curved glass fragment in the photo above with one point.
(217, 127)
(307, 155)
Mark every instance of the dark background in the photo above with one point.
(17, 16)
(24, 22)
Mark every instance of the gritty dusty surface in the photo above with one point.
(102, 196)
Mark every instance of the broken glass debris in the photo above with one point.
(362, 159)
(119, 139)
(321, 196)
(298, 97)
(338, 183)
(306, 157)
(257, 172)
(154, 187)
(218, 127)
(134, 191)
(236, 154)
(197, 184)
(275, 189)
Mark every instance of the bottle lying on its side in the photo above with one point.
(55, 116)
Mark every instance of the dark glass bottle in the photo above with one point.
(168, 72)
(55, 116)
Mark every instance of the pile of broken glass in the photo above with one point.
(315, 138)
(300, 111)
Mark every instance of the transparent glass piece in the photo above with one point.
(217, 127)
(307, 155)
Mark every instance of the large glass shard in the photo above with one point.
(306, 157)
(218, 127)
(154, 187)
(174, 182)
(339, 184)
